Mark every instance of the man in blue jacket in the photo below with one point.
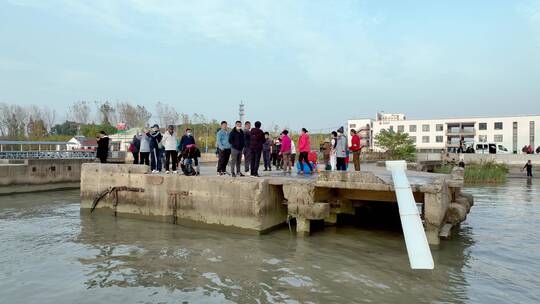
(222, 141)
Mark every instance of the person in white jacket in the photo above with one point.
(170, 142)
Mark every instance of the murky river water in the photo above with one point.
(50, 253)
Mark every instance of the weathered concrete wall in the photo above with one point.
(40, 171)
(263, 203)
(251, 204)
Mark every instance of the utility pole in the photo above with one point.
(241, 112)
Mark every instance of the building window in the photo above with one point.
(498, 126)
(413, 139)
(412, 128)
(425, 128)
(391, 128)
(531, 133)
(401, 128)
(482, 126)
(497, 138)
(482, 138)
(425, 139)
(352, 126)
(439, 139)
(439, 127)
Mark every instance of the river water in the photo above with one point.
(50, 253)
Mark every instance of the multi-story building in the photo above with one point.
(430, 135)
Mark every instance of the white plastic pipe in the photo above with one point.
(413, 231)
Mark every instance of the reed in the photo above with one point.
(479, 173)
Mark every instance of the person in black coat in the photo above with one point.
(237, 141)
(103, 147)
(256, 145)
(247, 149)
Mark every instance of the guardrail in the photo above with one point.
(68, 154)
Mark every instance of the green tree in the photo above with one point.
(92, 130)
(397, 145)
(66, 128)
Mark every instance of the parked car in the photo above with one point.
(490, 148)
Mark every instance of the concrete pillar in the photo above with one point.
(432, 234)
(302, 226)
(331, 219)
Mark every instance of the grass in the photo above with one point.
(480, 173)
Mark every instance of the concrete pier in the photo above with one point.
(261, 204)
(27, 175)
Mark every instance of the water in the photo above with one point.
(50, 253)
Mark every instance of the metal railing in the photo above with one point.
(47, 154)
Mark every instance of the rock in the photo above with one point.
(456, 213)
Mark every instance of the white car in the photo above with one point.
(490, 148)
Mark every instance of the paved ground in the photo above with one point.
(415, 177)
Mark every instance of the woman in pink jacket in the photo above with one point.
(304, 147)
(286, 151)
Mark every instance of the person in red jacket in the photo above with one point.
(355, 149)
(304, 146)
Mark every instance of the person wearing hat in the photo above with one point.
(170, 143)
(304, 147)
(155, 145)
(341, 150)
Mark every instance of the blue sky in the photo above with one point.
(294, 63)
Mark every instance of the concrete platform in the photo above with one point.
(260, 204)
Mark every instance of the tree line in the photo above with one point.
(87, 118)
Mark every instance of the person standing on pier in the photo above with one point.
(256, 144)
(236, 139)
(224, 147)
(103, 147)
(170, 143)
(155, 153)
(341, 150)
(333, 158)
(293, 153)
(267, 151)
(145, 149)
(355, 149)
(326, 155)
(135, 147)
(528, 166)
(187, 139)
(304, 147)
(275, 152)
(247, 146)
(285, 152)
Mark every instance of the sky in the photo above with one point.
(296, 63)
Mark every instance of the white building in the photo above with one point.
(430, 135)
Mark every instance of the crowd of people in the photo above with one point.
(165, 151)
(250, 144)
(242, 143)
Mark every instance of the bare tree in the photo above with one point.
(166, 114)
(13, 120)
(135, 116)
(49, 118)
(80, 112)
(106, 112)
